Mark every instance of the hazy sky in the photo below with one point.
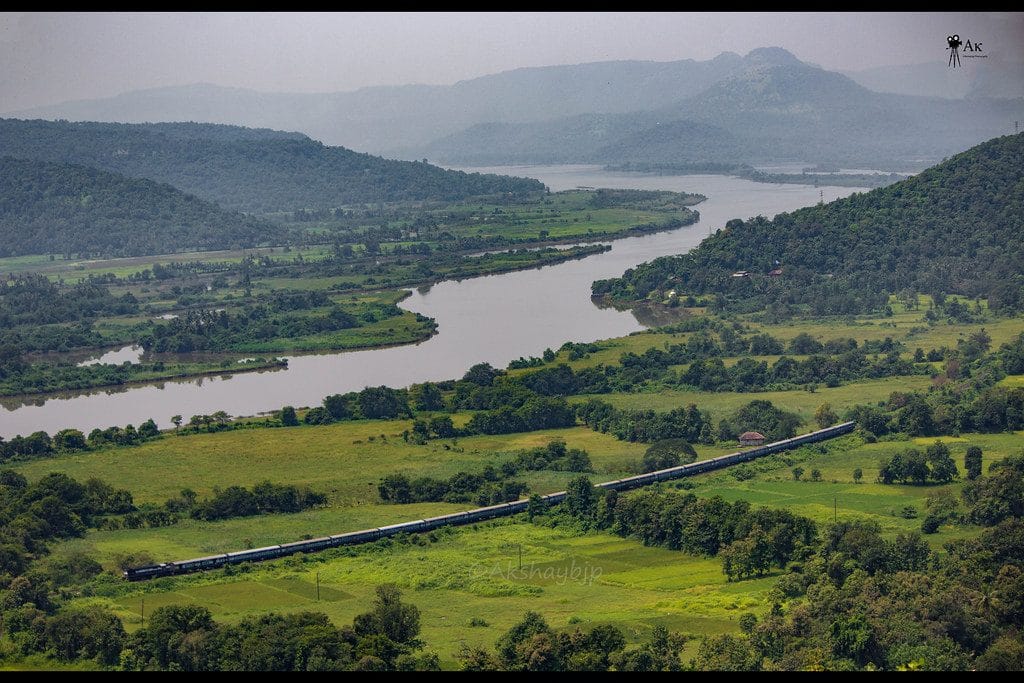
(49, 58)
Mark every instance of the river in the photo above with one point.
(492, 319)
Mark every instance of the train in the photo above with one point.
(472, 516)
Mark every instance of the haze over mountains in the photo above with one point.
(763, 107)
(974, 78)
(246, 169)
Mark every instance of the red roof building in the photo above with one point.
(751, 439)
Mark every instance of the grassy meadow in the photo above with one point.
(467, 582)
(474, 573)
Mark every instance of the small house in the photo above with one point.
(751, 439)
(775, 273)
(741, 273)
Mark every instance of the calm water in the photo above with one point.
(494, 319)
(126, 354)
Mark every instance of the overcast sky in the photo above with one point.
(50, 58)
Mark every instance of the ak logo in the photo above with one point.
(954, 46)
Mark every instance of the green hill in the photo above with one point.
(245, 169)
(955, 228)
(69, 209)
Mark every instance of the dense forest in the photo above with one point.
(257, 172)
(58, 208)
(954, 228)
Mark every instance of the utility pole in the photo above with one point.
(520, 555)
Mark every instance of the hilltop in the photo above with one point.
(955, 228)
(244, 169)
(48, 208)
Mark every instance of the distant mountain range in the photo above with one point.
(774, 112)
(384, 119)
(762, 107)
(246, 169)
(974, 78)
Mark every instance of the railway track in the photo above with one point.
(472, 516)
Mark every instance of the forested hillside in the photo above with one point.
(73, 210)
(955, 228)
(246, 170)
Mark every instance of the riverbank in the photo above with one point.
(493, 319)
(807, 177)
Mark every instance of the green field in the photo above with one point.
(838, 495)
(345, 460)
(799, 401)
(559, 217)
(456, 575)
(471, 573)
(590, 579)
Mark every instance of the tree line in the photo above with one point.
(491, 486)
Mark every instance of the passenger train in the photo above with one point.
(471, 516)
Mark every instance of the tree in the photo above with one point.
(804, 344)
(514, 647)
(166, 626)
(659, 458)
(815, 475)
(376, 403)
(176, 421)
(825, 416)
(442, 427)
(915, 418)
(943, 468)
(149, 430)
(336, 406)
(395, 488)
(477, 659)
(915, 466)
(972, 462)
(726, 653)
(581, 498)
(288, 417)
(858, 474)
(86, 633)
(797, 473)
(535, 506)
(481, 374)
(69, 440)
(397, 621)
(317, 416)
(427, 396)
